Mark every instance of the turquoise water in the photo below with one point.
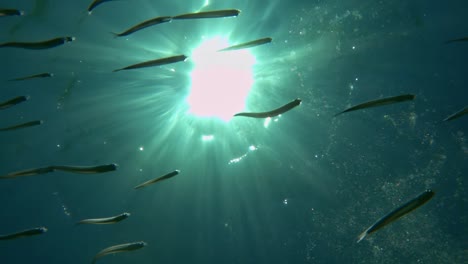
(299, 189)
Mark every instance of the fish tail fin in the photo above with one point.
(362, 236)
(117, 70)
(116, 35)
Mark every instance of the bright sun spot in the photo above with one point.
(220, 80)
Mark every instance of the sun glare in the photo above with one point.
(220, 81)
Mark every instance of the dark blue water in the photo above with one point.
(310, 182)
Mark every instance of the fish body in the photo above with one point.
(274, 112)
(95, 3)
(380, 102)
(398, 212)
(157, 62)
(23, 125)
(106, 220)
(10, 12)
(164, 177)
(209, 14)
(40, 75)
(28, 172)
(47, 44)
(24, 233)
(457, 40)
(87, 169)
(119, 248)
(145, 24)
(13, 101)
(249, 44)
(458, 114)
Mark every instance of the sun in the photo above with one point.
(220, 81)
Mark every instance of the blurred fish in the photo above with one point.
(144, 24)
(119, 248)
(40, 75)
(380, 102)
(95, 3)
(47, 44)
(107, 220)
(10, 12)
(23, 125)
(28, 232)
(458, 114)
(167, 176)
(86, 169)
(248, 44)
(457, 40)
(13, 101)
(274, 112)
(209, 14)
(398, 212)
(157, 62)
(28, 172)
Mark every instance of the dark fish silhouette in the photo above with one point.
(157, 62)
(40, 75)
(28, 172)
(398, 212)
(10, 12)
(106, 220)
(47, 44)
(119, 248)
(167, 176)
(23, 125)
(144, 24)
(24, 233)
(457, 114)
(274, 112)
(13, 101)
(209, 14)
(86, 169)
(457, 40)
(95, 3)
(380, 102)
(248, 44)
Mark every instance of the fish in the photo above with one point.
(24, 233)
(157, 62)
(144, 24)
(119, 248)
(106, 220)
(28, 172)
(40, 75)
(46, 44)
(457, 114)
(23, 125)
(249, 44)
(380, 102)
(13, 101)
(457, 40)
(95, 3)
(86, 169)
(398, 212)
(209, 14)
(164, 177)
(10, 12)
(274, 112)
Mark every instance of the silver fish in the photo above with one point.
(95, 3)
(13, 101)
(209, 14)
(398, 212)
(144, 24)
(10, 12)
(164, 177)
(23, 125)
(46, 44)
(157, 62)
(274, 112)
(40, 75)
(24, 233)
(380, 102)
(86, 169)
(106, 220)
(249, 44)
(119, 248)
(457, 114)
(28, 172)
